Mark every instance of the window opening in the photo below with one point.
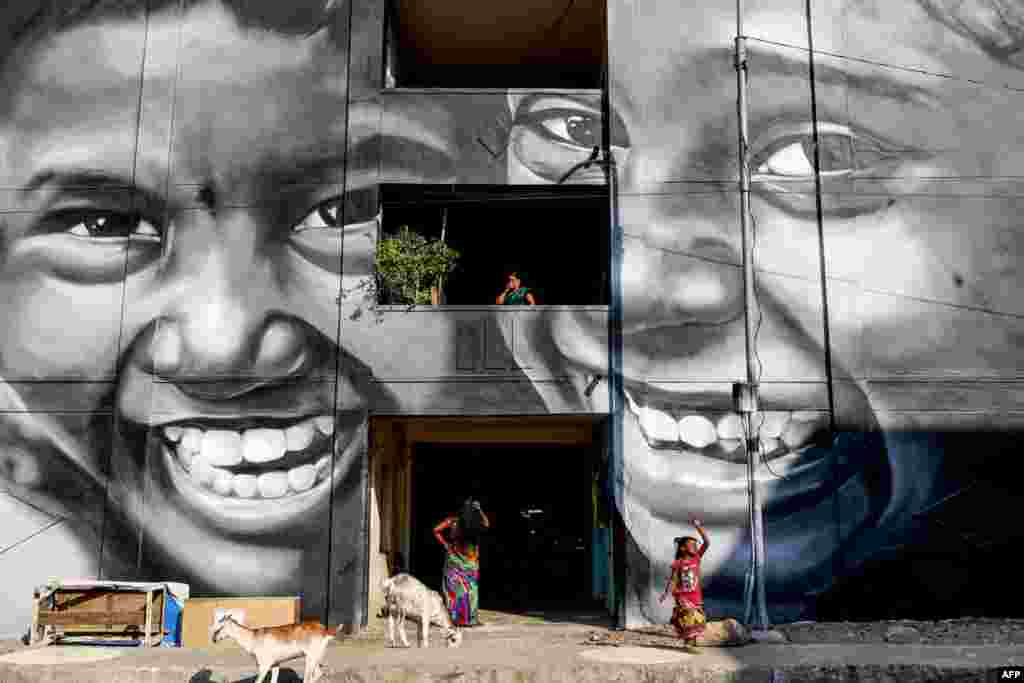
(473, 44)
(556, 237)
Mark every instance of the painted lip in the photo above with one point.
(720, 434)
(672, 478)
(256, 507)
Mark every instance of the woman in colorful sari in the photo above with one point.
(515, 293)
(462, 562)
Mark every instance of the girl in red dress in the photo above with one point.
(684, 583)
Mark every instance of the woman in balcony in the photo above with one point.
(515, 293)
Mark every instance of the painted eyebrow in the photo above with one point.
(763, 60)
(589, 101)
(878, 84)
(76, 179)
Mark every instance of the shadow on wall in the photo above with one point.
(943, 555)
(954, 560)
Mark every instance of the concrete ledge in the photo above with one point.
(550, 657)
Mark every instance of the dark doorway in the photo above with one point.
(537, 555)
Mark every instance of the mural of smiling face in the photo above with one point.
(922, 273)
(170, 275)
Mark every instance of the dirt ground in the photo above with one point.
(967, 631)
(971, 631)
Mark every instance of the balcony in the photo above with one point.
(472, 360)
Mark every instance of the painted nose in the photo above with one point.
(681, 259)
(664, 287)
(213, 359)
(229, 333)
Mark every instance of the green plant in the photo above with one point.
(409, 265)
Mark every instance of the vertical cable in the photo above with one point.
(144, 494)
(120, 328)
(615, 313)
(746, 396)
(838, 562)
(337, 353)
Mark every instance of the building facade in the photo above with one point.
(197, 387)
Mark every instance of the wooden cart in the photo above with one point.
(98, 611)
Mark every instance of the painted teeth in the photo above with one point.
(659, 426)
(204, 455)
(221, 448)
(222, 482)
(273, 484)
(730, 445)
(244, 485)
(298, 437)
(323, 466)
(302, 478)
(697, 431)
(191, 439)
(325, 424)
(730, 427)
(779, 431)
(263, 445)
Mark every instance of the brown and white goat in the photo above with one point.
(274, 645)
(405, 597)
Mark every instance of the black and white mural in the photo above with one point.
(176, 403)
(189, 186)
(896, 513)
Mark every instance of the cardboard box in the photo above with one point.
(253, 612)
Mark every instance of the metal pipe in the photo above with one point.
(359, 614)
(758, 610)
(616, 388)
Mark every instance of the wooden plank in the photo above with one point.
(48, 618)
(149, 615)
(576, 434)
(36, 634)
(115, 600)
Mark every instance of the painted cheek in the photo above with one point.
(41, 342)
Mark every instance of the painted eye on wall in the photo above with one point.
(790, 154)
(795, 159)
(324, 216)
(107, 226)
(855, 169)
(569, 126)
(360, 206)
(550, 134)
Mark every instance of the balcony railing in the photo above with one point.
(473, 359)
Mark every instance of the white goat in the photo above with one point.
(274, 645)
(406, 597)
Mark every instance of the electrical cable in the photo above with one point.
(862, 60)
(364, 531)
(762, 453)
